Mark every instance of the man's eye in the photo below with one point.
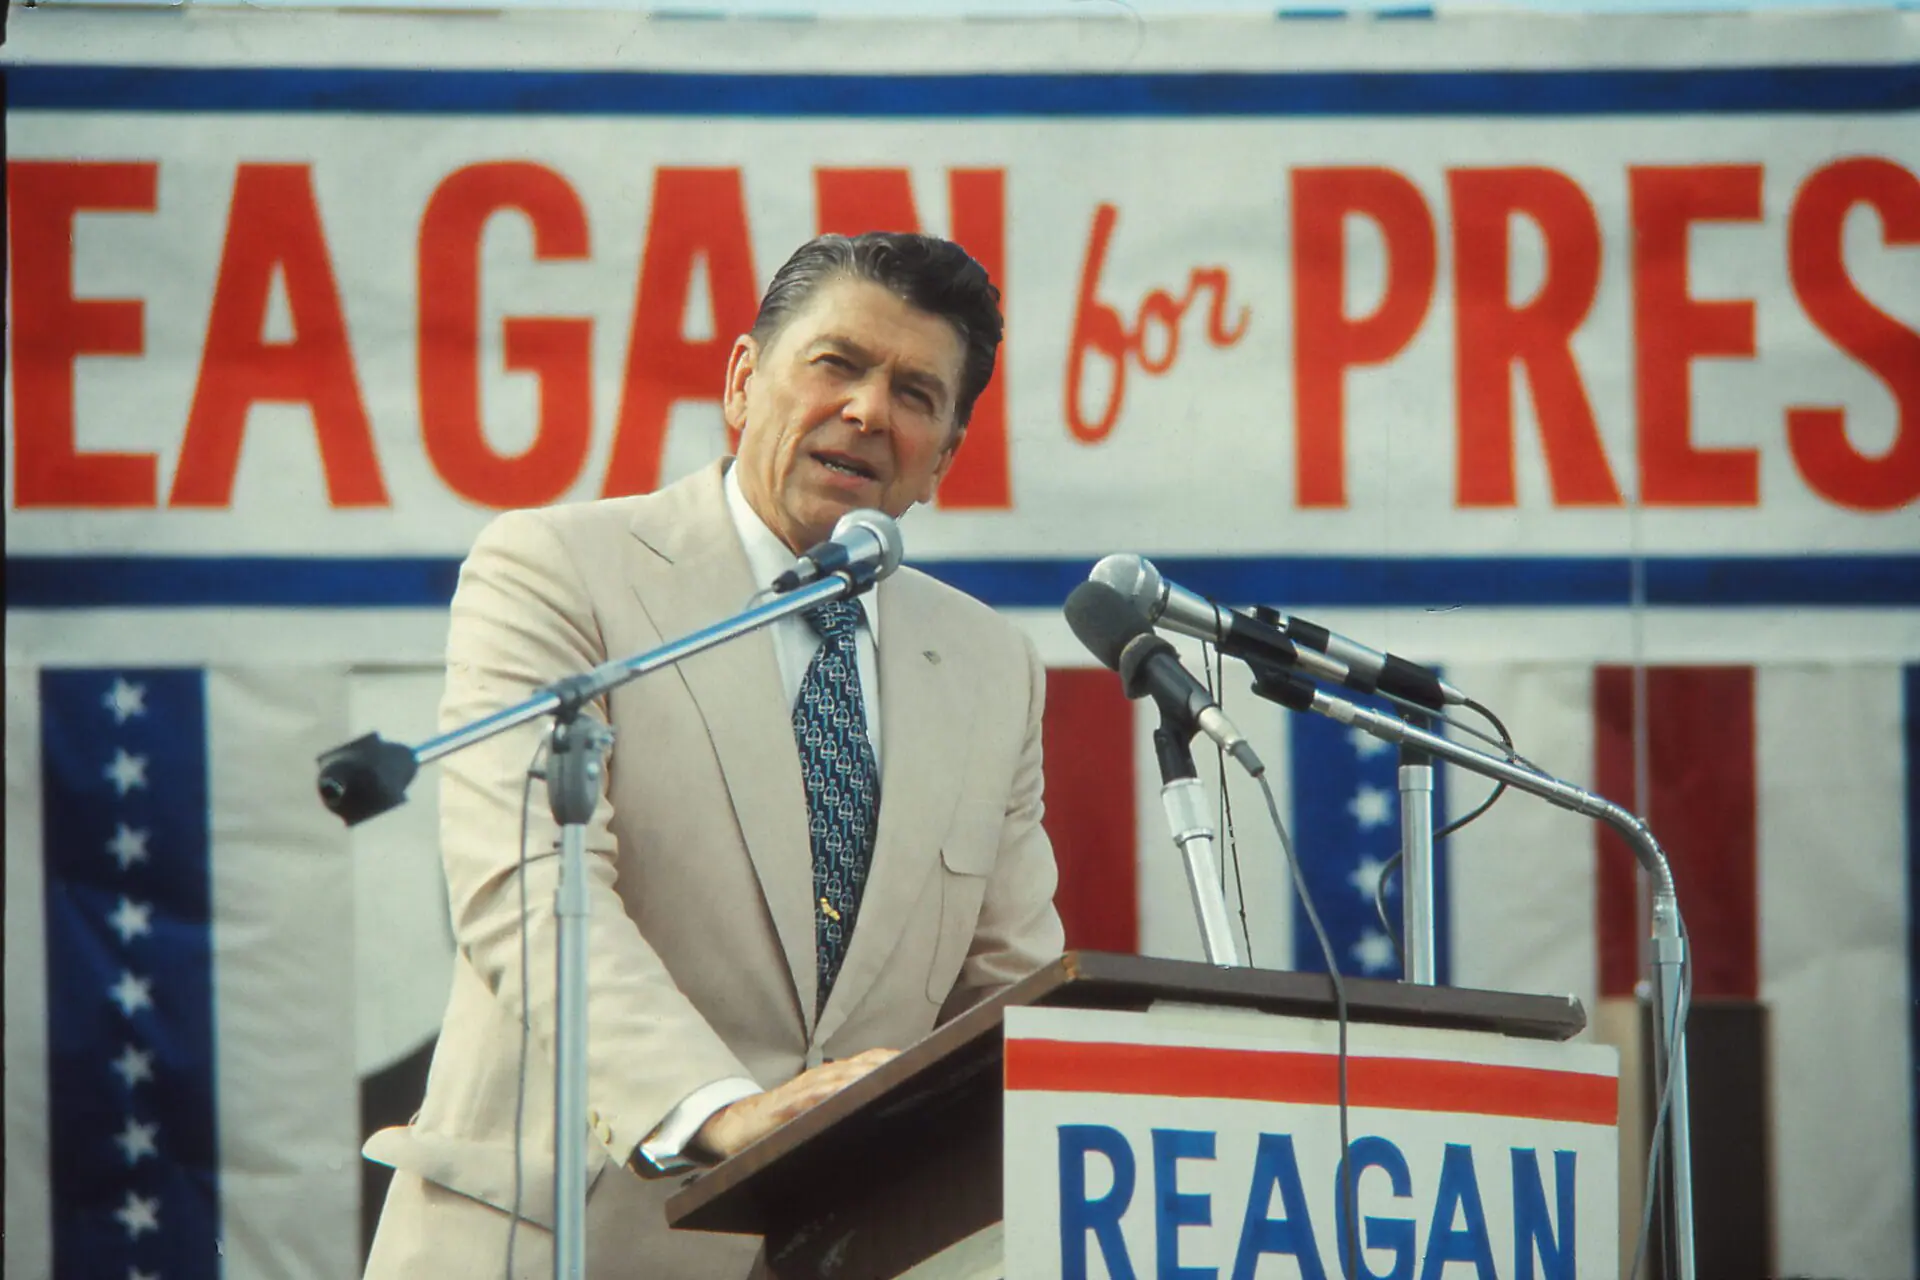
(836, 362)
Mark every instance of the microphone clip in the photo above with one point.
(1277, 684)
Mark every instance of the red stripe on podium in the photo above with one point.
(1312, 1079)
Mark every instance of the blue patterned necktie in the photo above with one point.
(841, 781)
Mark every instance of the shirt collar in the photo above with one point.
(768, 557)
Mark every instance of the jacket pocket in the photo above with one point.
(964, 867)
(482, 1171)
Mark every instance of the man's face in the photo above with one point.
(851, 405)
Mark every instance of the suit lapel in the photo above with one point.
(925, 724)
(697, 575)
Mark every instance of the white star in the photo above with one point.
(133, 1066)
(126, 772)
(138, 1140)
(1371, 807)
(138, 1214)
(1374, 951)
(135, 1273)
(132, 994)
(1365, 745)
(128, 846)
(1366, 877)
(131, 919)
(125, 700)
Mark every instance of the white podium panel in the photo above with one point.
(1199, 1144)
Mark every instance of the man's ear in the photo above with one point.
(740, 366)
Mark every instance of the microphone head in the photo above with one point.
(1135, 578)
(1133, 662)
(366, 777)
(1104, 620)
(880, 527)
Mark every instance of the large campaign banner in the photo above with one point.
(1580, 355)
(1486, 303)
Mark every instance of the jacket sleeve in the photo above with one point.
(1018, 929)
(522, 618)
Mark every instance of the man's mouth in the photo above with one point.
(845, 466)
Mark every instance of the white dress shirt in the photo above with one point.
(794, 644)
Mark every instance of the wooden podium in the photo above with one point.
(907, 1162)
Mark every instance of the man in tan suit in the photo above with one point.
(743, 965)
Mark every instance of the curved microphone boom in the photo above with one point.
(865, 546)
(1114, 631)
(1312, 647)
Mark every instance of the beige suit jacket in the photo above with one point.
(702, 927)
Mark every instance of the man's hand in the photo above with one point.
(740, 1124)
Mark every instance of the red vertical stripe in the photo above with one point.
(1702, 810)
(1618, 924)
(1088, 739)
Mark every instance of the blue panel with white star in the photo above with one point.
(132, 1138)
(1346, 826)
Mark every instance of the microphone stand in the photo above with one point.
(1185, 802)
(1668, 944)
(1416, 862)
(369, 775)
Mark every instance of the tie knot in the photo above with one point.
(835, 620)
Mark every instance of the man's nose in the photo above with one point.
(870, 406)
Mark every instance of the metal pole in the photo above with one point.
(1670, 1070)
(573, 787)
(1417, 937)
(1185, 802)
(570, 1079)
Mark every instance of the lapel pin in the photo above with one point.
(930, 656)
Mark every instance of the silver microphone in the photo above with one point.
(1116, 633)
(1175, 608)
(1161, 602)
(865, 545)
(1316, 650)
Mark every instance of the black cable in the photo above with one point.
(1346, 1188)
(526, 1022)
(1239, 888)
(1393, 865)
(1211, 675)
(1380, 908)
(1485, 712)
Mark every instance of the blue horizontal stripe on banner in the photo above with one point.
(1877, 87)
(183, 582)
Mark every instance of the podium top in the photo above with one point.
(965, 1054)
(1104, 980)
